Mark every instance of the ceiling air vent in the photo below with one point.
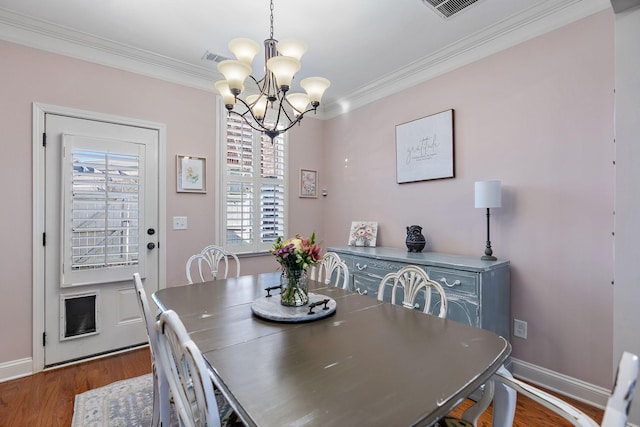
(209, 56)
(446, 9)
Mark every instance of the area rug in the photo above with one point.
(129, 403)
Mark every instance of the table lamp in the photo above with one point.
(488, 195)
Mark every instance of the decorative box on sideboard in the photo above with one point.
(478, 292)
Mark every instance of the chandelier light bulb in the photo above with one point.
(235, 72)
(283, 68)
(258, 105)
(244, 49)
(292, 48)
(315, 88)
(299, 102)
(227, 97)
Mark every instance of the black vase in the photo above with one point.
(415, 240)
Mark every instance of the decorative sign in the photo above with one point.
(424, 148)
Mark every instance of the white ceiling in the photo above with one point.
(368, 49)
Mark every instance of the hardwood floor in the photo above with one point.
(46, 399)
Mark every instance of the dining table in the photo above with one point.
(369, 363)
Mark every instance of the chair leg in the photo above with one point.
(504, 402)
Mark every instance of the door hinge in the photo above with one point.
(44, 239)
(44, 139)
(44, 339)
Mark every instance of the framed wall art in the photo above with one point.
(191, 173)
(363, 233)
(424, 148)
(308, 183)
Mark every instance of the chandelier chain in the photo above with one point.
(271, 27)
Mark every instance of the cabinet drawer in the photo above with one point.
(460, 282)
(366, 285)
(375, 267)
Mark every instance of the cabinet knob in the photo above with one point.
(456, 283)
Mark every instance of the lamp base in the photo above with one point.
(488, 258)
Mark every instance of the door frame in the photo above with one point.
(38, 169)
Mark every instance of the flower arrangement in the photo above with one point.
(297, 253)
(295, 256)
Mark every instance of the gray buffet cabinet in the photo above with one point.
(477, 291)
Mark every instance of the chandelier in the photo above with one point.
(273, 109)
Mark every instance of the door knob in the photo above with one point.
(151, 231)
(151, 245)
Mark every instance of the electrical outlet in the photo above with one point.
(179, 222)
(520, 329)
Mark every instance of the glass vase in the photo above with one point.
(295, 288)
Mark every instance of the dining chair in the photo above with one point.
(187, 374)
(161, 400)
(217, 254)
(198, 268)
(331, 270)
(412, 281)
(615, 414)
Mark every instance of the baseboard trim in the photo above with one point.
(576, 389)
(16, 369)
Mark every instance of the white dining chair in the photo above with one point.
(331, 270)
(216, 255)
(615, 413)
(187, 374)
(198, 268)
(161, 398)
(411, 281)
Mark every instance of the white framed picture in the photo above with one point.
(424, 148)
(191, 174)
(363, 233)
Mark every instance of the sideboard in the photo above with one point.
(478, 292)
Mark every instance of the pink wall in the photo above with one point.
(539, 117)
(30, 75)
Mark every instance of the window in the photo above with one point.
(252, 199)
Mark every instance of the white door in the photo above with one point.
(101, 222)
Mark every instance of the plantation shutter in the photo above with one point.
(101, 213)
(255, 199)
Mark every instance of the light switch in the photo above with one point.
(179, 222)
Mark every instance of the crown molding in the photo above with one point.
(533, 22)
(24, 30)
(537, 20)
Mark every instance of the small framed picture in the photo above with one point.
(308, 183)
(191, 172)
(363, 233)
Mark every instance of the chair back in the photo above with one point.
(187, 374)
(615, 414)
(411, 280)
(161, 400)
(331, 270)
(216, 255)
(198, 269)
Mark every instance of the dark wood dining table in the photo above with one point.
(370, 363)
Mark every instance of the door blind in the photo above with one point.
(105, 195)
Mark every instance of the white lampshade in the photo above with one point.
(299, 102)
(283, 68)
(244, 49)
(258, 106)
(293, 48)
(227, 97)
(488, 194)
(315, 87)
(235, 72)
